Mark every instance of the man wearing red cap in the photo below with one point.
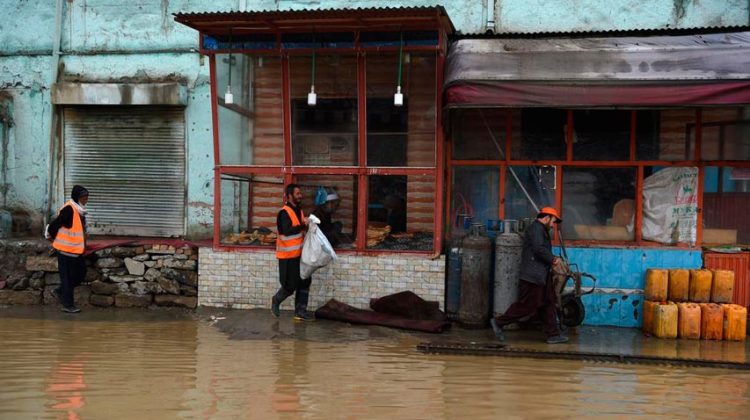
(536, 292)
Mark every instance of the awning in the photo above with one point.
(712, 69)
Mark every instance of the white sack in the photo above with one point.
(670, 206)
(317, 252)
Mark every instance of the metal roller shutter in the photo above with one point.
(132, 160)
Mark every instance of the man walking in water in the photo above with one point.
(68, 235)
(291, 224)
(536, 291)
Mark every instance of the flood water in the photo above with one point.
(173, 364)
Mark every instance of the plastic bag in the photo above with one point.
(317, 252)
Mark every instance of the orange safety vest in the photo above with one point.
(70, 240)
(290, 246)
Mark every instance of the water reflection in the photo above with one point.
(147, 364)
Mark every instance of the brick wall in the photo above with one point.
(247, 280)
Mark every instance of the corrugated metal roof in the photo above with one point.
(609, 33)
(203, 21)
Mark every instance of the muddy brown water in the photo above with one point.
(174, 364)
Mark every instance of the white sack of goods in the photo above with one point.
(670, 206)
(317, 252)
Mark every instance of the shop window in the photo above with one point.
(251, 127)
(405, 135)
(249, 205)
(539, 182)
(400, 212)
(475, 194)
(478, 134)
(725, 134)
(539, 134)
(324, 134)
(601, 135)
(387, 132)
(333, 199)
(726, 198)
(664, 134)
(596, 202)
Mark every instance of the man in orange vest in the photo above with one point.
(291, 224)
(68, 235)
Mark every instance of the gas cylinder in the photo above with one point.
(474, 307)
(508, 249)
(453, 279)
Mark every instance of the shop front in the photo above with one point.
(347, 104)
(642, 142)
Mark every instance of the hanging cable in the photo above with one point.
(398, 98)
(228, 97)
(312, 97)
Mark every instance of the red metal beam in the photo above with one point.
(569, 137)
(638, 225)
(437, 238)
(362, 191)
(217, 150)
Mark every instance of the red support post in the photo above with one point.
(569, 137)
(437, 239)
(639, 206)
(633, 132)
(701, 176)
(217, 161)
(362, 192)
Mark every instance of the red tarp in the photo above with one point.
(527, 94)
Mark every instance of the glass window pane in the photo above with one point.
(726, 134)
(726, 198)
(324, 134)
(401, 135)
(601, 135)
(400, 212)
(251, 127)
(664, 134)
(333, 199)
(475, 193)
(538, 182)
(539, 134)
(596, 202)
(249, 205)
(478, 134)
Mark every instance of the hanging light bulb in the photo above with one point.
(398, 97)
(228, 97)
(312, 97)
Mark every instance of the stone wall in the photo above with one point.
(134, 276)
(249, 279)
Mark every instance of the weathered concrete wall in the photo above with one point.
(597, 15)
(245, 280)
(105, 41)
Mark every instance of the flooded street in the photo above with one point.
(174, 364)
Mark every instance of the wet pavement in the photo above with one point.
(130, 363)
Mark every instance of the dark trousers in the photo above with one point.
(533, 299)
(72, 272)
(292, 283)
